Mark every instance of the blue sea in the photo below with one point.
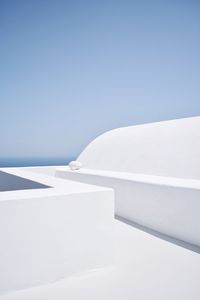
(35, 161)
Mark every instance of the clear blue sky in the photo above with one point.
(70, 70)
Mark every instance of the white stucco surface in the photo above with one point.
(169, 148)
(145, 268)
(169, 206)
(48, 234)
(155, 172)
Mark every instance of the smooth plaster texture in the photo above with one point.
(146, 268)
(49, 234)
(155, 172)
(169, 148)
(170, 209)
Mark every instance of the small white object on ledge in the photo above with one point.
(75, 165)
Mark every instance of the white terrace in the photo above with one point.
(58, 225)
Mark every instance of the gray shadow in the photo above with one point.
(9, 182)
(159, 235)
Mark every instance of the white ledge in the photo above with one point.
(145, 178)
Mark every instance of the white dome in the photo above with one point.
(169, 148)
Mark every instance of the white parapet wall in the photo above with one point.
(155, 172)
(48, 234)
(167, 207)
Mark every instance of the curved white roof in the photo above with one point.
(168, 148)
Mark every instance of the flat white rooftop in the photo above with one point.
(147, 268)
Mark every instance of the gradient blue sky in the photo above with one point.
(70, 70)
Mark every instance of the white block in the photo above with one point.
(45, 238)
